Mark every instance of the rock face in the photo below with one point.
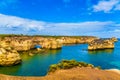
(9, 57)
(23, 43)
(114, 39)
(52, 44)
(101, 44)
(77, 40)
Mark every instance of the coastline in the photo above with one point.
(79, 74)
(114, 70)
(87, 74)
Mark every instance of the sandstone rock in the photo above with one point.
(114, 39)
(22, 45)
(9, 57)
(101, 44)
(52, 44)
(3, 44)
(75, 40)
(39, 49)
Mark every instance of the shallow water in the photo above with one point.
(37, 65)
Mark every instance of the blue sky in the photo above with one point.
(60, 17)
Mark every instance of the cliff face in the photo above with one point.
(26, 43)
(9, 57)
(52, 44)
(114, 39)
(77, 40)
(101, 44)
(21, 45)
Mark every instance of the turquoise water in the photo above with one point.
(37, 65)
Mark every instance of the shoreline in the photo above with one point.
(79, 74)
(113, 70)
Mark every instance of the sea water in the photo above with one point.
(38, 64)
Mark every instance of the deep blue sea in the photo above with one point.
(38, 64)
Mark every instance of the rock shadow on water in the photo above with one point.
(10, 70)
(47, 51)
(110, 51)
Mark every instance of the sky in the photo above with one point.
(60, 17)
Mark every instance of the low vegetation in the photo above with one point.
(67, 64)
(46, 36)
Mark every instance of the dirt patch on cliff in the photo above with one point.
(72, 74)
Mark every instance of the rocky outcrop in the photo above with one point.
(68, 64)
(114, 39)
(51, 44)
(9, 57)
(77, 40)
(101, 44)
(23, 43)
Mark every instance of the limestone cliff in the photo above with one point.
(51, 44)
(101, 44)
(9, 57)
(23, 43)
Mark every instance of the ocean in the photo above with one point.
(38, 64)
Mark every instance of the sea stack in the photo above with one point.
(102, 44)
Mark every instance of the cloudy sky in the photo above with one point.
(60, 17)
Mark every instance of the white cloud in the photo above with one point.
(17, 25)
(10, 22)
(117, 30)
(82, 28)
(107, 6)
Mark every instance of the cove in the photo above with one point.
(38, 64)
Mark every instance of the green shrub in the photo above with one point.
(53, 68)
(99, 67)
(67, 64)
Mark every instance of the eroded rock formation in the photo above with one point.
(102, 44)
(9, 57)
(52, 44)
(23, 43)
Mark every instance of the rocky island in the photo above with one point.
(102, 44)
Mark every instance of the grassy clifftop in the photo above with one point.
(68, 64)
